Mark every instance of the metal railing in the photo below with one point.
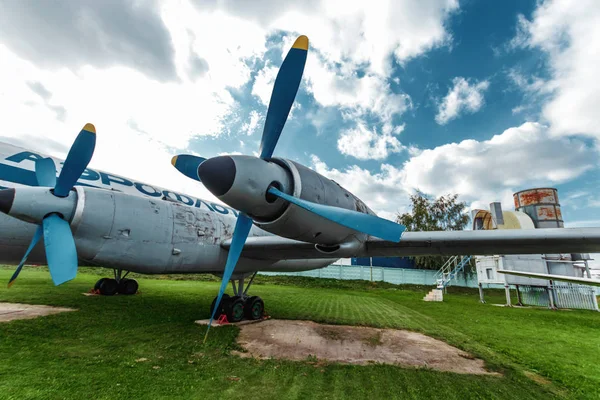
(565, 295)
(450, 270)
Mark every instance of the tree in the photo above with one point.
(428, 214)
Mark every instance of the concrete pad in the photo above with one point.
(14, 311)
(307, 340)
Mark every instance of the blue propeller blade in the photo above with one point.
(36, 238)
(61, 253)
(188, 165)
(283, 95)
(77, 160)
(369, 224)
(240, 233)
(45, 172)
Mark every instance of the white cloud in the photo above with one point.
(263, 85)
(479, 171)
(531, 84)
(87, 32)
(569, 33)
(594, 203)
(250, 126)
(382, 191)
(364, 143)
(350, 56)
(346, 38)
(355, 33)
(518, 109)
(333, 87)
(167, 112)
(142, 121)
(513, 160)
(342, 88)
(463, 97)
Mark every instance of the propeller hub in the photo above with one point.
(217, 174)
(7, 197)
(242, 183)
(33, 204)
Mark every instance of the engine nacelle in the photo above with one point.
(243, 183)
(300, 224)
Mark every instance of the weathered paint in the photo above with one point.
(541, 204)
(546, 212)
(535, 196)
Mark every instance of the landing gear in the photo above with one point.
(254, 308)
(221, 310)
(240, 306)
(120, 284)
(107, 286)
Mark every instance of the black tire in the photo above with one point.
(235, 309)
(128, 286)
(221, 311)
(108, 287)
(254, 308)
(99, 283)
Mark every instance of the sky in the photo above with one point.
(471, 97)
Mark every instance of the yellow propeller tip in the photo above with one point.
(301, 43)
(10, 283)
(90, 128)
(173, 160)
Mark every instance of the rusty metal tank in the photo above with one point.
(542, 206)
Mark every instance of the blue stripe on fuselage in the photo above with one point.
(26, 177)
(23, 176)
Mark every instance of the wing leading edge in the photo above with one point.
(572, 279)
(492, 242)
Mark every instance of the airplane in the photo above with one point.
(278, 216)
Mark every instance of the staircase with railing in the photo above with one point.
(445, 275)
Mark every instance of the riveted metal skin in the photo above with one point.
(299, 224)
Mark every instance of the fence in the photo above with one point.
(565, 295)
(396, 276)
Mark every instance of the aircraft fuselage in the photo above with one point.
(134, 226)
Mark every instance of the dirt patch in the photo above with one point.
(14, 311)
(307, 340)
(537, 378)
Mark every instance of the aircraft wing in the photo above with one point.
(481, 242)
(571, 279)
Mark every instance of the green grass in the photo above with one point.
(92, 353)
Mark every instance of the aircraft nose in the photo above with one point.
(7, 196)
(217, 174)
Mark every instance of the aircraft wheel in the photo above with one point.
(254, 308)
(99, 283)
(235, 309)
(128, 286)
(224, 300)
(108, 287)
